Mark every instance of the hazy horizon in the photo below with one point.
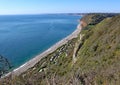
(17, 7)
(56, 13)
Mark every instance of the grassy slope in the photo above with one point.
(97, 60)
(99, 56)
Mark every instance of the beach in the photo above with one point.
(35, 60)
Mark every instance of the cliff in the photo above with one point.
(90, 59)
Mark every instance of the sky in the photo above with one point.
(57, 6)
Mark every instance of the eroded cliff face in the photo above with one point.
(83, 23)
(94, 18)
(90, 59)
(98, 58)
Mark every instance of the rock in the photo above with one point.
(40, 70)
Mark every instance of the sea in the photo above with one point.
(22, 37)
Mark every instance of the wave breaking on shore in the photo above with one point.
(36, 59)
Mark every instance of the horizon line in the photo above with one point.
(60, 13)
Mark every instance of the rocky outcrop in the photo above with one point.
(78, 45)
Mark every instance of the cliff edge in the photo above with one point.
(95, 52)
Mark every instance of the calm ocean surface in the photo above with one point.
(22, 37)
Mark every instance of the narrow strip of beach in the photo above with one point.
(36, 59)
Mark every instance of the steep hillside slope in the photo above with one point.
(95, 18)
(97, 62)
(99, 56)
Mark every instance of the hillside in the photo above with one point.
(95, 18)
(91, 59)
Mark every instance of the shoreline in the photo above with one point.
(36, 59)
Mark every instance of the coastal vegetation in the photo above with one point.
(97, 57)
(5, 65)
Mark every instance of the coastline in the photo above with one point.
(37, 58)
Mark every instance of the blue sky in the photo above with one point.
(57, 6)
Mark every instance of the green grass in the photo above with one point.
(98, 60)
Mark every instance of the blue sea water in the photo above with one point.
(22, 37)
